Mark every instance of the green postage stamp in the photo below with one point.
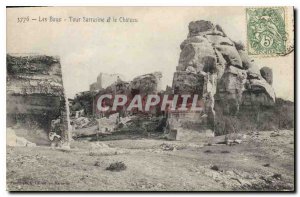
(266, 34)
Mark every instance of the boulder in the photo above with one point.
(194, 39)
(201, 56)
(230, 89)
(233, 79)
(262, 85)
(245, 59)
(253, 71)
(219, 40)
(203, 27)
(267, 74)
(196, 27)
(146, 84)
(187, 83)
(231, 55)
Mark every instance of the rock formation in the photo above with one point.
(267, 74)
(219, 69)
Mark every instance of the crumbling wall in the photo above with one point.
(35, 94)
(142, 85)
(85, 104)
(104, 80)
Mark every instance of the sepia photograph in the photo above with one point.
(142, 99)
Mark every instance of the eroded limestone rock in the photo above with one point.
(207, 49)
(226, 71)
(267, 74)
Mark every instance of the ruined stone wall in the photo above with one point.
(142, 85)
(104, 80)
(35, 93)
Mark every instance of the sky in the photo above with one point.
(130, 48)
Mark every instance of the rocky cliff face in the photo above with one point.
(219, 69)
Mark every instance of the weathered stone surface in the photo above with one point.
(119, 87)
(35, 92)
(37, 74)
(226, 71)
(187, 83)
(203, 27)
(256, 99)
(201, 56)
(188, 126)
(146, 84)
(231, 55)
(33, 64)
(194, 39)
(253, 71)
(233, 79)
(267, 74)
(209, 91)
(262, 86)
(196, 27)
(220, 60)
(208, 50)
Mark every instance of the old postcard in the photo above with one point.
(150, 99)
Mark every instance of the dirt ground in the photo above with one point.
(262, 161)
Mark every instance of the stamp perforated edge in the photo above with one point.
(286, 27)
